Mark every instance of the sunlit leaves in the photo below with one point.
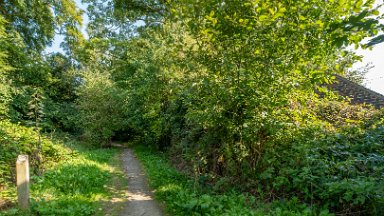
(100, 105)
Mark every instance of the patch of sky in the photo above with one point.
(375, 77)
(55, 47)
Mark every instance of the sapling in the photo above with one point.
(36, 115)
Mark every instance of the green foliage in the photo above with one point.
(4, 66)
(150, 11)
(63, 78)
(18, 103)
(36, 109)
(185, 196)
(100, 106)
(4, 99)
(231, 87)
(69, 207)
(77, 184)
(26, 28)
(338, 167)
(180, 194)
(36, 21)
(260, 59)
(75, 179)
(74, 182)
(56, 86)
(3, 40)
(15, 140)
(61, 116)
(226, 79)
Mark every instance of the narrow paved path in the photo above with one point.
(140, 198)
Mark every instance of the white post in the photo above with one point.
(22, 180)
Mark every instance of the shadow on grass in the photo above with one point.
(86, 150)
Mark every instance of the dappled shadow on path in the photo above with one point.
(139, 198)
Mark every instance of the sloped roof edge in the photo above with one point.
(358, 94)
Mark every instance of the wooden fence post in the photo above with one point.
(22, 176)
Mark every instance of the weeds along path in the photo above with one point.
(140, 198)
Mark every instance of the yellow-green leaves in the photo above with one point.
(263, 18)
(376, 12)
(211, 18)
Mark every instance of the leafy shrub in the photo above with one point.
(181, 194)
(18, 104)
(340, 168)
(341, 114)
(186, 196)
(61, 117)
(16, 139)
(4, 98)
(100, 107)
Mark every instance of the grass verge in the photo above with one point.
(82, 181)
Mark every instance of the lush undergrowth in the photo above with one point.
(185, 195)
(335, 162)
(16, 139)
(331, 161)
(75, 180)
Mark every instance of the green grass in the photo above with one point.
(79, 181)
(182, 195)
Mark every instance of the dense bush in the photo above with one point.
(339, 167)
(15, 140)
(334, 159)
(185, 195)
(101, 108)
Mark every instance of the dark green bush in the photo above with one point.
(100, 107)
(15, 140)
(339, 168)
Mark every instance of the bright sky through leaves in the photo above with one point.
(375, 77)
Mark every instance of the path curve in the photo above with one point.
(140, 198)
